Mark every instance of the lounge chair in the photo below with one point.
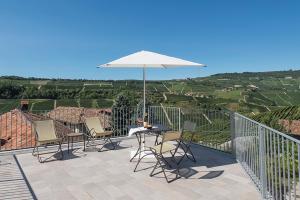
(166, 146)
(46, 135)
(95, 130)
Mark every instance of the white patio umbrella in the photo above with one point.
(147, 59)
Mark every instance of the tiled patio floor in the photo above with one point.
(13, 185)
(109, 175)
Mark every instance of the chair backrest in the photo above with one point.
(189, 126)
(45, 130)
(93, 123)
(177, 135)
(171, 136)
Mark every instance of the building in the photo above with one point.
(17, 129)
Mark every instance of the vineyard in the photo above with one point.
(247, 93)
(288, 113)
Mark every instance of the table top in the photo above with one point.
(140, 129)
(74, 134)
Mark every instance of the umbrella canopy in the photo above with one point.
(147, 59)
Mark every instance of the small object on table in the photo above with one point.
(147, 126)
(71, 136)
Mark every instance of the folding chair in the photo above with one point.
(186, 145)
(166, 147)
(95, 130)
(45, 135)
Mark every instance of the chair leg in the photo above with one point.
(106, 141)
(41, 160)
(173, 154)
(91, 141)
(38, 155)
(192, 155)
(34, 149)
(114, 146)
(102, 145)
(138, 162)
(154, 168)
(158, 158)
(163, 170)
(61, 151)
(188, 150)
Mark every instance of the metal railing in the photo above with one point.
(122, 118)
(270, 157)
(213, 127)
(167, 116)
(17, 131)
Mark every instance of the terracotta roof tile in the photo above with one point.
(16, 129)
(291, 126)
(75, 115)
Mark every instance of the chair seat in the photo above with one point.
(42, 142)
(166, 147)
(106, 133)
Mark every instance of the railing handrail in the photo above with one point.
(269, 128)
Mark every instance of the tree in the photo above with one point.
(9, 90)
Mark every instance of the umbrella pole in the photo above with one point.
(144, 77)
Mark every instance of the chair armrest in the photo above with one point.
(151, 149)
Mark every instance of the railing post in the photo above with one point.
(179, 119)
(232, 130)
(262, 162)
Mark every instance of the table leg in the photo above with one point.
(68, 144)
(156, 139)
(139, 138)
(83, 142)
(140, 151)
(72, 143)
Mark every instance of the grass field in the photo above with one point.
(235, 94)
(45, 104)
(67, 102)
(88, 103)
(8, 104)
(104, 103)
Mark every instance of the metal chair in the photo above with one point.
(45, 135)
(166, 147)
(95, 130)
(186, 145)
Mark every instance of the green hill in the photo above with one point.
(248, 92)
(272, 118)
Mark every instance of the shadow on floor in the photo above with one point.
(107, 147)
(212, 174)
(205, 156)
(13, 182)
(72, 154)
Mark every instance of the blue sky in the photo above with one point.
(68, 38)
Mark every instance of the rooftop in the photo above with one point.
(16, 130)
(255, 153)
(75, 115)
(109, 175)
